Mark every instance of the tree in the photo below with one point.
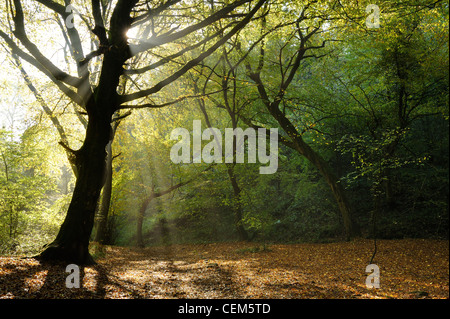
(231, 106)
(28, 194)
(409, 60)
(299, 34)
(292, 43)
(98, 96)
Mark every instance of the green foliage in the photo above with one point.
(30, 205)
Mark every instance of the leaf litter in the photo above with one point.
(409, 269)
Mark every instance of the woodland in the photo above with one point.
(224, 149)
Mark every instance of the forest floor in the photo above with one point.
(409, 268)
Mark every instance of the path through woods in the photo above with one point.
(408, 269)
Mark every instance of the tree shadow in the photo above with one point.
(219, 280)
(29, 278)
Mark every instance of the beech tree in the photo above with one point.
(286, 36)
(164, 23)
(300, 35)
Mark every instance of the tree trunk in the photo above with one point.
(237, 208)
(351, 229)
(140, 220)
(102, 216)
(72, 242)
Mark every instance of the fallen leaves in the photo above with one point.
(408, 269)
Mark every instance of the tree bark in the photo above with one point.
(102, 216)
(72, 242)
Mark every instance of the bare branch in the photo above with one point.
(190, 64)
(165, 60)
(173, 36)
(99, 29)
(153, 12)
(30, 59)
(152, 105)
(56, 7)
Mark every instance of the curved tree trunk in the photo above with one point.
(351, 228)
(297, 143)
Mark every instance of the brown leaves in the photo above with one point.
(408, 269)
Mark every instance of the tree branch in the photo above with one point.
(20, 34)
(173, 36)
(190, 64)
(99, 29)
(152, 13)
(152, 105)
(30, 59)
(165, 60)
